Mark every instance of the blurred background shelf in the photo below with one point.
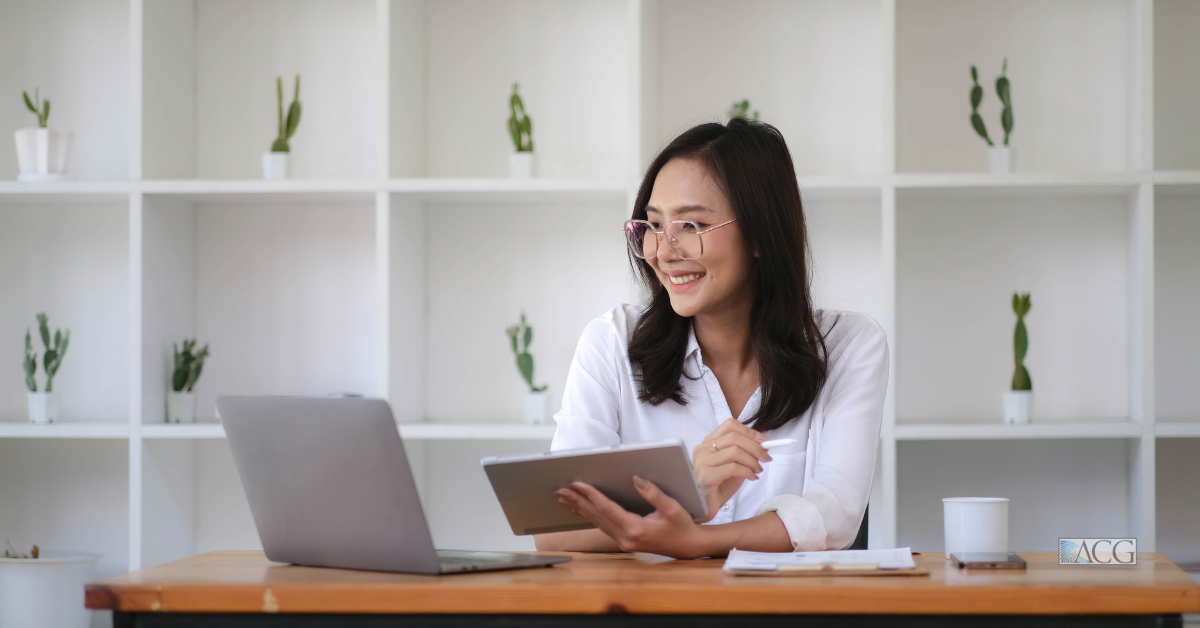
(996, 430)
(409, 431)
(65, 429)
(1177, 428)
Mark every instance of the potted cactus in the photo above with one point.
(45, 588)
(999, 157)
(537, 400)
(1018, 402)
(275, 163)
(43, 406)
(520, 130)
(181, 401)
(742, 110)
(41, 151)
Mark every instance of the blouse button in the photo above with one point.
(725, 508)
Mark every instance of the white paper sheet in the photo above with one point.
(898, 558)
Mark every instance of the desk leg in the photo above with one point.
(290, 620)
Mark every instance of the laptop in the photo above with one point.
(329, 486)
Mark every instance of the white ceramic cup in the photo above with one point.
(976, 524)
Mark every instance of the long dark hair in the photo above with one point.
(751, 163)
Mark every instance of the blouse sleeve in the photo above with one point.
(829, 513)
(589, 416)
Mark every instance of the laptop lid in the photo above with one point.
(328, 482)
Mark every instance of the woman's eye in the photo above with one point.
(656, 226)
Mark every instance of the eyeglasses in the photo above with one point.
(683, 236)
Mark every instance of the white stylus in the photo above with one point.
(779, 442)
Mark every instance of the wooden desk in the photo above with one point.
(238, 589)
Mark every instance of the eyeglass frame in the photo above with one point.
(660, 233)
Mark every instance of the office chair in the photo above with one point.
(860, 541)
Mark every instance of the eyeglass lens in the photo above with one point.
(682, 237)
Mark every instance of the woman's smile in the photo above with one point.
(684, 280)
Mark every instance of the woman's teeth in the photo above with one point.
(686, 278)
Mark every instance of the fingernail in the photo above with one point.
(640, 483)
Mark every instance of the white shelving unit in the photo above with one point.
(393, 260)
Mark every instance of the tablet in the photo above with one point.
(525, 485)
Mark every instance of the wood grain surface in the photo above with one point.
(624, 583)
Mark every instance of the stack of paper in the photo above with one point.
(898, 558)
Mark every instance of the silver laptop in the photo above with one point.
(329, 486)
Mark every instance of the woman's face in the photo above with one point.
(718, 280)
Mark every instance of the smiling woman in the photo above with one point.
(728, 353)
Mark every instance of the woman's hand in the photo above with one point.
(668, 531)
(728, 456)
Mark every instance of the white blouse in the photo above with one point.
(818, 486)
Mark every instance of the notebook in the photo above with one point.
(900, 561)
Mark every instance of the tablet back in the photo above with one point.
(525, 485)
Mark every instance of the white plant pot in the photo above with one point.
(275, 165)
(181, 407)
(42, 154)
(537, 408)
(999, 159)
(43, 408)
(1018, 407)
(520, 165)
(46, 591)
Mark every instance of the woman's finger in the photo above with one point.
(662, 502)
(730, 471)
(732, 454)
(749, 445)
(585, 508)
(608, 507)
(734, 426)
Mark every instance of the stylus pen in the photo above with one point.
(779, 442)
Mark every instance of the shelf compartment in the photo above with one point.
(1176, 301)
(76, 54)
(996, 430)
(812, 69)
(571, 59)
(209, 98)
(70, 261)
(958, 265)
(1176, 85)
(1072, 69)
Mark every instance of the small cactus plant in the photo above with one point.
(1004, 91)
(520, 127)
(39, 107)
(740, 109)
(521, 335)
(51, 359)
(976, 98)
(188, 365)
(287, 126)
(1020, 305)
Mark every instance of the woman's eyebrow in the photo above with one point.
(686, 209)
